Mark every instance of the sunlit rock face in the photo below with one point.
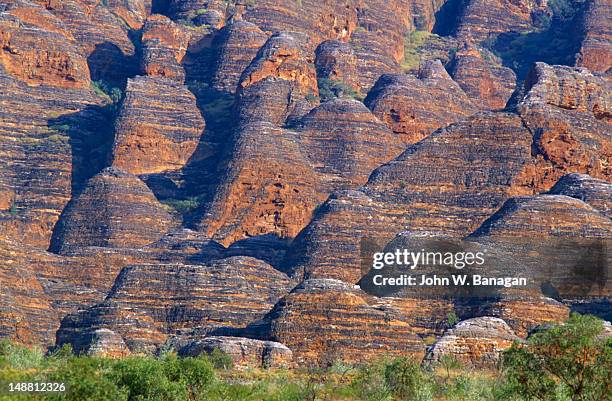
(200, 175)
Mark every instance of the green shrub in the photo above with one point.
(220, 359)
(369, 381)
(88, 378)
(572, 358)
(452, 319)
(330, 89)
(105, 90)
(19, 357)
(407, 381)
(421, 46)
(183, 206)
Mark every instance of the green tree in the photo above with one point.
(575, 356)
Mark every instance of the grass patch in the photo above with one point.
(422, 46)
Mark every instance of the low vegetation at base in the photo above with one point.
(570, 362)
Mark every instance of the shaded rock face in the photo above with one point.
(39, 288)
(484, 18)
(115, 209)
(103, 36)
(477, 342)
(423, 13)
(336, 61)
(238, 45)
(150, 302)
(164, 45)
(197, 11)
(344, 141)
(597, 193)
(43, 138)
(450, 182)
(277, 176)
(152, 136)
(378, 45)
(414, 107)
(568, 110)
(245, 352)
(488, 85)
(326, 320)
(596, 45)
(37, 49)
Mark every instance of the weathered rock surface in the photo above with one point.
(26, 315)
(103, 36)
(546, 215)
(597, 193)
(378, 44)
(450, 182)
(116, 210)
(133, 12)
(481, 19)
(562, 243)
(269, 187)
(37, 49)
(476, 343)
(164, 45)
(414, 107)
(277, 176)
(488, 85)
(40, 288)
(326, 320)
(336, 61)
(596, 50)
(49, 122)
(150, 302)
(344, 141)
(245, 352)
(568, 110)
(153, 135)
(424, 13)
(106, 343)
(278, 80)
(238, 45)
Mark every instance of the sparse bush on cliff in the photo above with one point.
(104, 89)
(330, 89)
(422, 46)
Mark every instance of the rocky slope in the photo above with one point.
(207, 174)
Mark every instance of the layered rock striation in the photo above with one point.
(414, 107)
(153, 135)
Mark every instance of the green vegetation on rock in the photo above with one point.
(422, 46)
(330, 89)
